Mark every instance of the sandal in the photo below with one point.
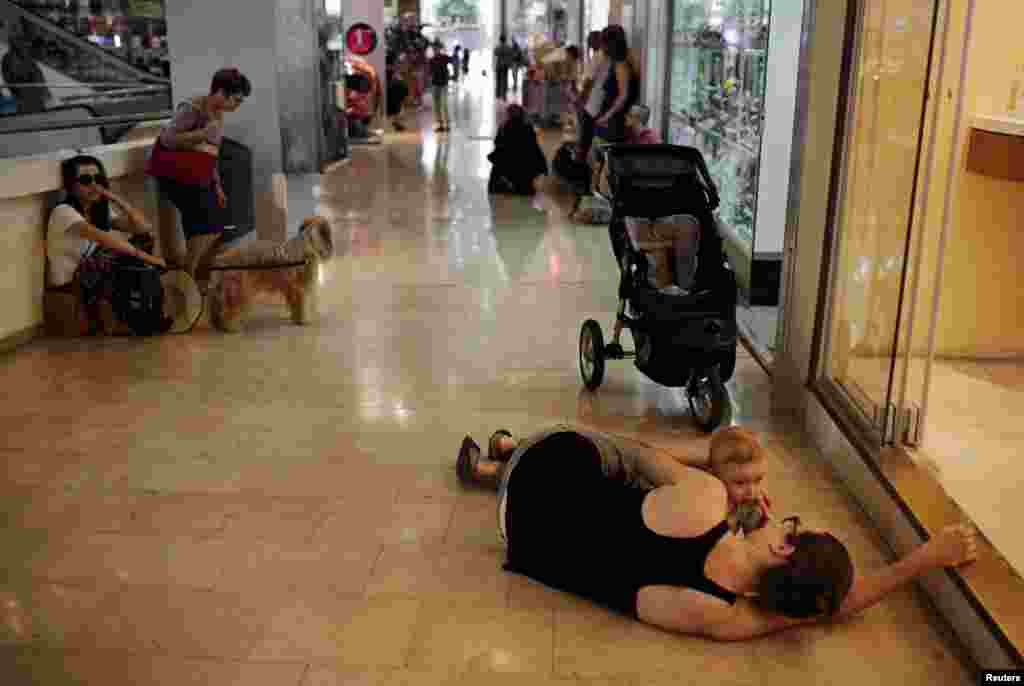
(492, 446)
(467, 461)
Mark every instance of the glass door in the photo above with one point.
(875, 213)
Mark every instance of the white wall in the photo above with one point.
(780, 114)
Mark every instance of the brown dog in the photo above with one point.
(262, 271)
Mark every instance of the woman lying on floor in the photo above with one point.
(517, 158)
(631, 528)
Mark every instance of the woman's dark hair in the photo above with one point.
(515, 113)
(615, 44)
(814, 581)
(230, 81)
(99, 214)
(595, 40)
(573, 52)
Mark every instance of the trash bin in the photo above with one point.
(236, 173)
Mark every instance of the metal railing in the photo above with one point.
(87, 56)
(117, 120)
(114, 91)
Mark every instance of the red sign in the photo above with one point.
(361, 39)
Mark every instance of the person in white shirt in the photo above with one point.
(86, 233)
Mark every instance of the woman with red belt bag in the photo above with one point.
(184, 162)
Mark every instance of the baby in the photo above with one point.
(637, 132)
(737, 458)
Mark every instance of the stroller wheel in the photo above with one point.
(708, 398)
(591, 354)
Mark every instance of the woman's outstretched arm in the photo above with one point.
(952, 547)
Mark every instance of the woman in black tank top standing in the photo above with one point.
(621, 88)
(630, 527)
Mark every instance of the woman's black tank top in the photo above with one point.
(611, 91)
(594, 542)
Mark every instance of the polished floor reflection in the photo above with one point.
(279, 507)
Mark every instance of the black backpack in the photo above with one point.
(569, 168)
(138, 298)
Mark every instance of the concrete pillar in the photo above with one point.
(298, 86)
(275, 44)
(207, 36)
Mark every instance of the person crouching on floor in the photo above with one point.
(517, 158)
(89, 236)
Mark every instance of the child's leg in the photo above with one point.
(445, 114)
(438, 94)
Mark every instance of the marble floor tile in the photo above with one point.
(280, 507)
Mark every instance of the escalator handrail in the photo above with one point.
(112, 120)
(80, 42)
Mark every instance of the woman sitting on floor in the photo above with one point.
(81, 246)
(631, 528)
(517, 158)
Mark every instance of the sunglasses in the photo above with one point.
(89, 179)
(792, 528)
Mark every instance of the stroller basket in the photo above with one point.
(659, 180)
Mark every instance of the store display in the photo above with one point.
(719, 59)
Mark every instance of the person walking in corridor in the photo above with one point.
(439, 78)
(519, 63)
(504, 60)
(456, 63)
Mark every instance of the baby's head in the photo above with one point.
(738, 459)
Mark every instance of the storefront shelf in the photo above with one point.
(997, 151)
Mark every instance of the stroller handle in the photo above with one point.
(689, 153)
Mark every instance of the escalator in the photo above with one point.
(82, 74)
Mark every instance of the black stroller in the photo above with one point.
(682, 340)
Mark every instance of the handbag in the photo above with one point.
(190, 167)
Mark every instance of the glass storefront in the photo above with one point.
(732, 95)
(882, 157)
(719, 60)
(922, 343)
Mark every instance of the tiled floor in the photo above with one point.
(279, 507)
(975, 446)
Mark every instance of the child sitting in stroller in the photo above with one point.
(637, 131)
(517, 158)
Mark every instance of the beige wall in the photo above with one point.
(980, 270)
(25, 196)
(980, 309)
